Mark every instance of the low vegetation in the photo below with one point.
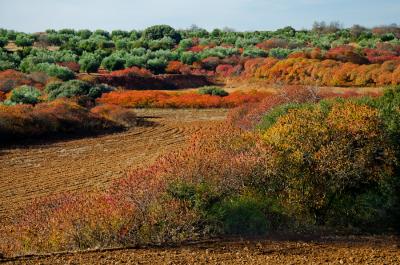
(59, 116)
(307, 164)
(162, 99)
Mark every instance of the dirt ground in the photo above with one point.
(328, 250)
(43, 168)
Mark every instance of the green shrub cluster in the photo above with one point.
(24, 95)
(213, 91)
(75, 88)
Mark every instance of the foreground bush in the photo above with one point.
(22, 121)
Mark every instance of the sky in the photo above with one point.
(242, 15)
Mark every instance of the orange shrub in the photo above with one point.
(162, 99)
(132, 71)
(59, 116)
(174, 67)
(302, 71)
(116, 114)
(10, 79)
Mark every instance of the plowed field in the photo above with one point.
(39, 169)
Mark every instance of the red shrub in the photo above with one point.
(162, 99)
(210, 63)
(10, 79)
(174, 67)
(117, 114)
(198, 48)
(346, 53)
(133, 71)
(273, 43)
(59, 116)
(380, 56)
(2, 96)
(224, 70)
(73, 66)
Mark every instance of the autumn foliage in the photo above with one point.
(302, 71)
(162, 99)
(59, 116)
(10, 79)
(330, 164)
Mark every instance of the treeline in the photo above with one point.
(154, 47)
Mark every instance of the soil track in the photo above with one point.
(41, 169)
(327, 250)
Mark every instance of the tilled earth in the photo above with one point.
(40, 169)
(333, 250)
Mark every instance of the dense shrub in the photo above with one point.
(162, 99)
(157, 65)
(117, 114)
(23, 121)
(24, 40)
(279, 53)
(25, 95)
(213, 91)
(75, 88)
(160, 31)
(54, 70)
(302, 71)
(10, 79)
(322, 172)
(89, 62)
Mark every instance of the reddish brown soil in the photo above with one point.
(336, 250)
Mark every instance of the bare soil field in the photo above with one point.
(327, 250)
(38, 169)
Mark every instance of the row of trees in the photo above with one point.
(157, 46)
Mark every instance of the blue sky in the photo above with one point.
(38, 15)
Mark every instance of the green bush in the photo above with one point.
(24, 40)
(113, 62)
(160, 31)
(139, 61)
(254, 52)
(157, 65)
(54, 70)
(188, 57)
(89, 62)
(279, 53)
(241, 215)
(3, 41)
(212, 90)
(75, 88)
(25, 95)
(165, 43)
